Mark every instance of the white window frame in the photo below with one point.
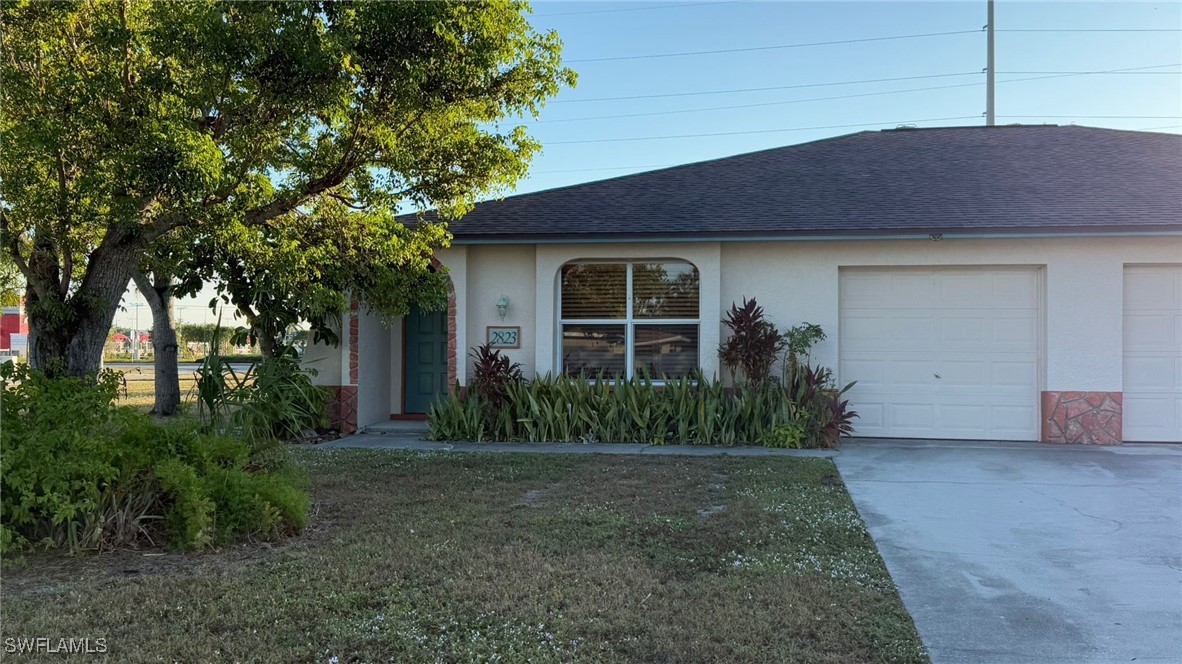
(629, 321)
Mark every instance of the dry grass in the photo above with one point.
(521, 558)
(139, 387)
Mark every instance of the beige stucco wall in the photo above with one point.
(329, 362)
(795, 281)
(798, 281)
(374, 378)
(493, 271)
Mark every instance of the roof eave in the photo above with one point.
(757, 236)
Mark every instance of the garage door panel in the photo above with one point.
(1016, 419)
(1015, 289)
(1152, 289)
(1149, 412)
(895, 332)
(871, 417)
(948, 352)
(970, 332)
(1018, 333)
(966, 418)
(963, 373)
(1153, 353)
(1152, 372)
(1149, 331)
(957, 290)
(1014, 374)
(915, 416)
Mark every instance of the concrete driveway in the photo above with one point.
(1027, 552)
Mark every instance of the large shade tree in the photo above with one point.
(301, 270)
(128, 126)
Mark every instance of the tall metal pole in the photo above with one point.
(135, 334)
(990, 118)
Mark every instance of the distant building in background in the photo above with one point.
(14, 331)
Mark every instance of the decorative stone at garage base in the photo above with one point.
(1085, 418)
(342, 408)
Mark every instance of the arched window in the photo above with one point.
(618, 317)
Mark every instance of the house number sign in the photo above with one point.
(504, 336)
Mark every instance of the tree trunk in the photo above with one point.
(267, 345)
(67, 335)
(158, 293)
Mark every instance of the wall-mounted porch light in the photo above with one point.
(503, 306)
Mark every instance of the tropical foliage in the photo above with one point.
(691, 411)
(272, 400)
(78, 473)
(754, 343)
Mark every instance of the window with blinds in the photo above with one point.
(621, 317)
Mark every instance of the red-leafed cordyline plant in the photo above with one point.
(753, 345)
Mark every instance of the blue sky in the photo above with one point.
(580, 150)
(589, 32)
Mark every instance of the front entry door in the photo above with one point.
(426, 359)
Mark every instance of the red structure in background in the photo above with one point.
(12, 322)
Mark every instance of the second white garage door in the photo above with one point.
(1153, 354)
(942, 353)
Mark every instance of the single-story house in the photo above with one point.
(997, 283)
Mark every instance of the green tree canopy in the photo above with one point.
(125, 123)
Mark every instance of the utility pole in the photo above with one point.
(135, 334)
(990, 118)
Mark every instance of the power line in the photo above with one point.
(638, 9)
(604, 168)
(1077, 117)
(772, 48)
(811, 99)
(857, 82)
(767, 89)
(1111, 71)
(1089, 30)
(1097, 117)
(749, 49)
(761, 131)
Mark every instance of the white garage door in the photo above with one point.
(942, 353)
(1153, 354)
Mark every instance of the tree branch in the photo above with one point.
(67, 271)
(146, 289)
(14, 250)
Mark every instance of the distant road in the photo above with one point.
(184, 367)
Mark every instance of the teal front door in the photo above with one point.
(426, 359)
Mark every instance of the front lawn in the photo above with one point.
(423, 557)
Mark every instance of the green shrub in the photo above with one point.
(79, 473)
(692, 410)
(272, 400)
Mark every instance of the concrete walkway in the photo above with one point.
(1012, 553)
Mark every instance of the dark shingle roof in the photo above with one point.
(1015, 179)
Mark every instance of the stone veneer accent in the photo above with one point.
(354, 325)
(342, 404)
(452, 365)
(342, 408)
(1087, 418)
